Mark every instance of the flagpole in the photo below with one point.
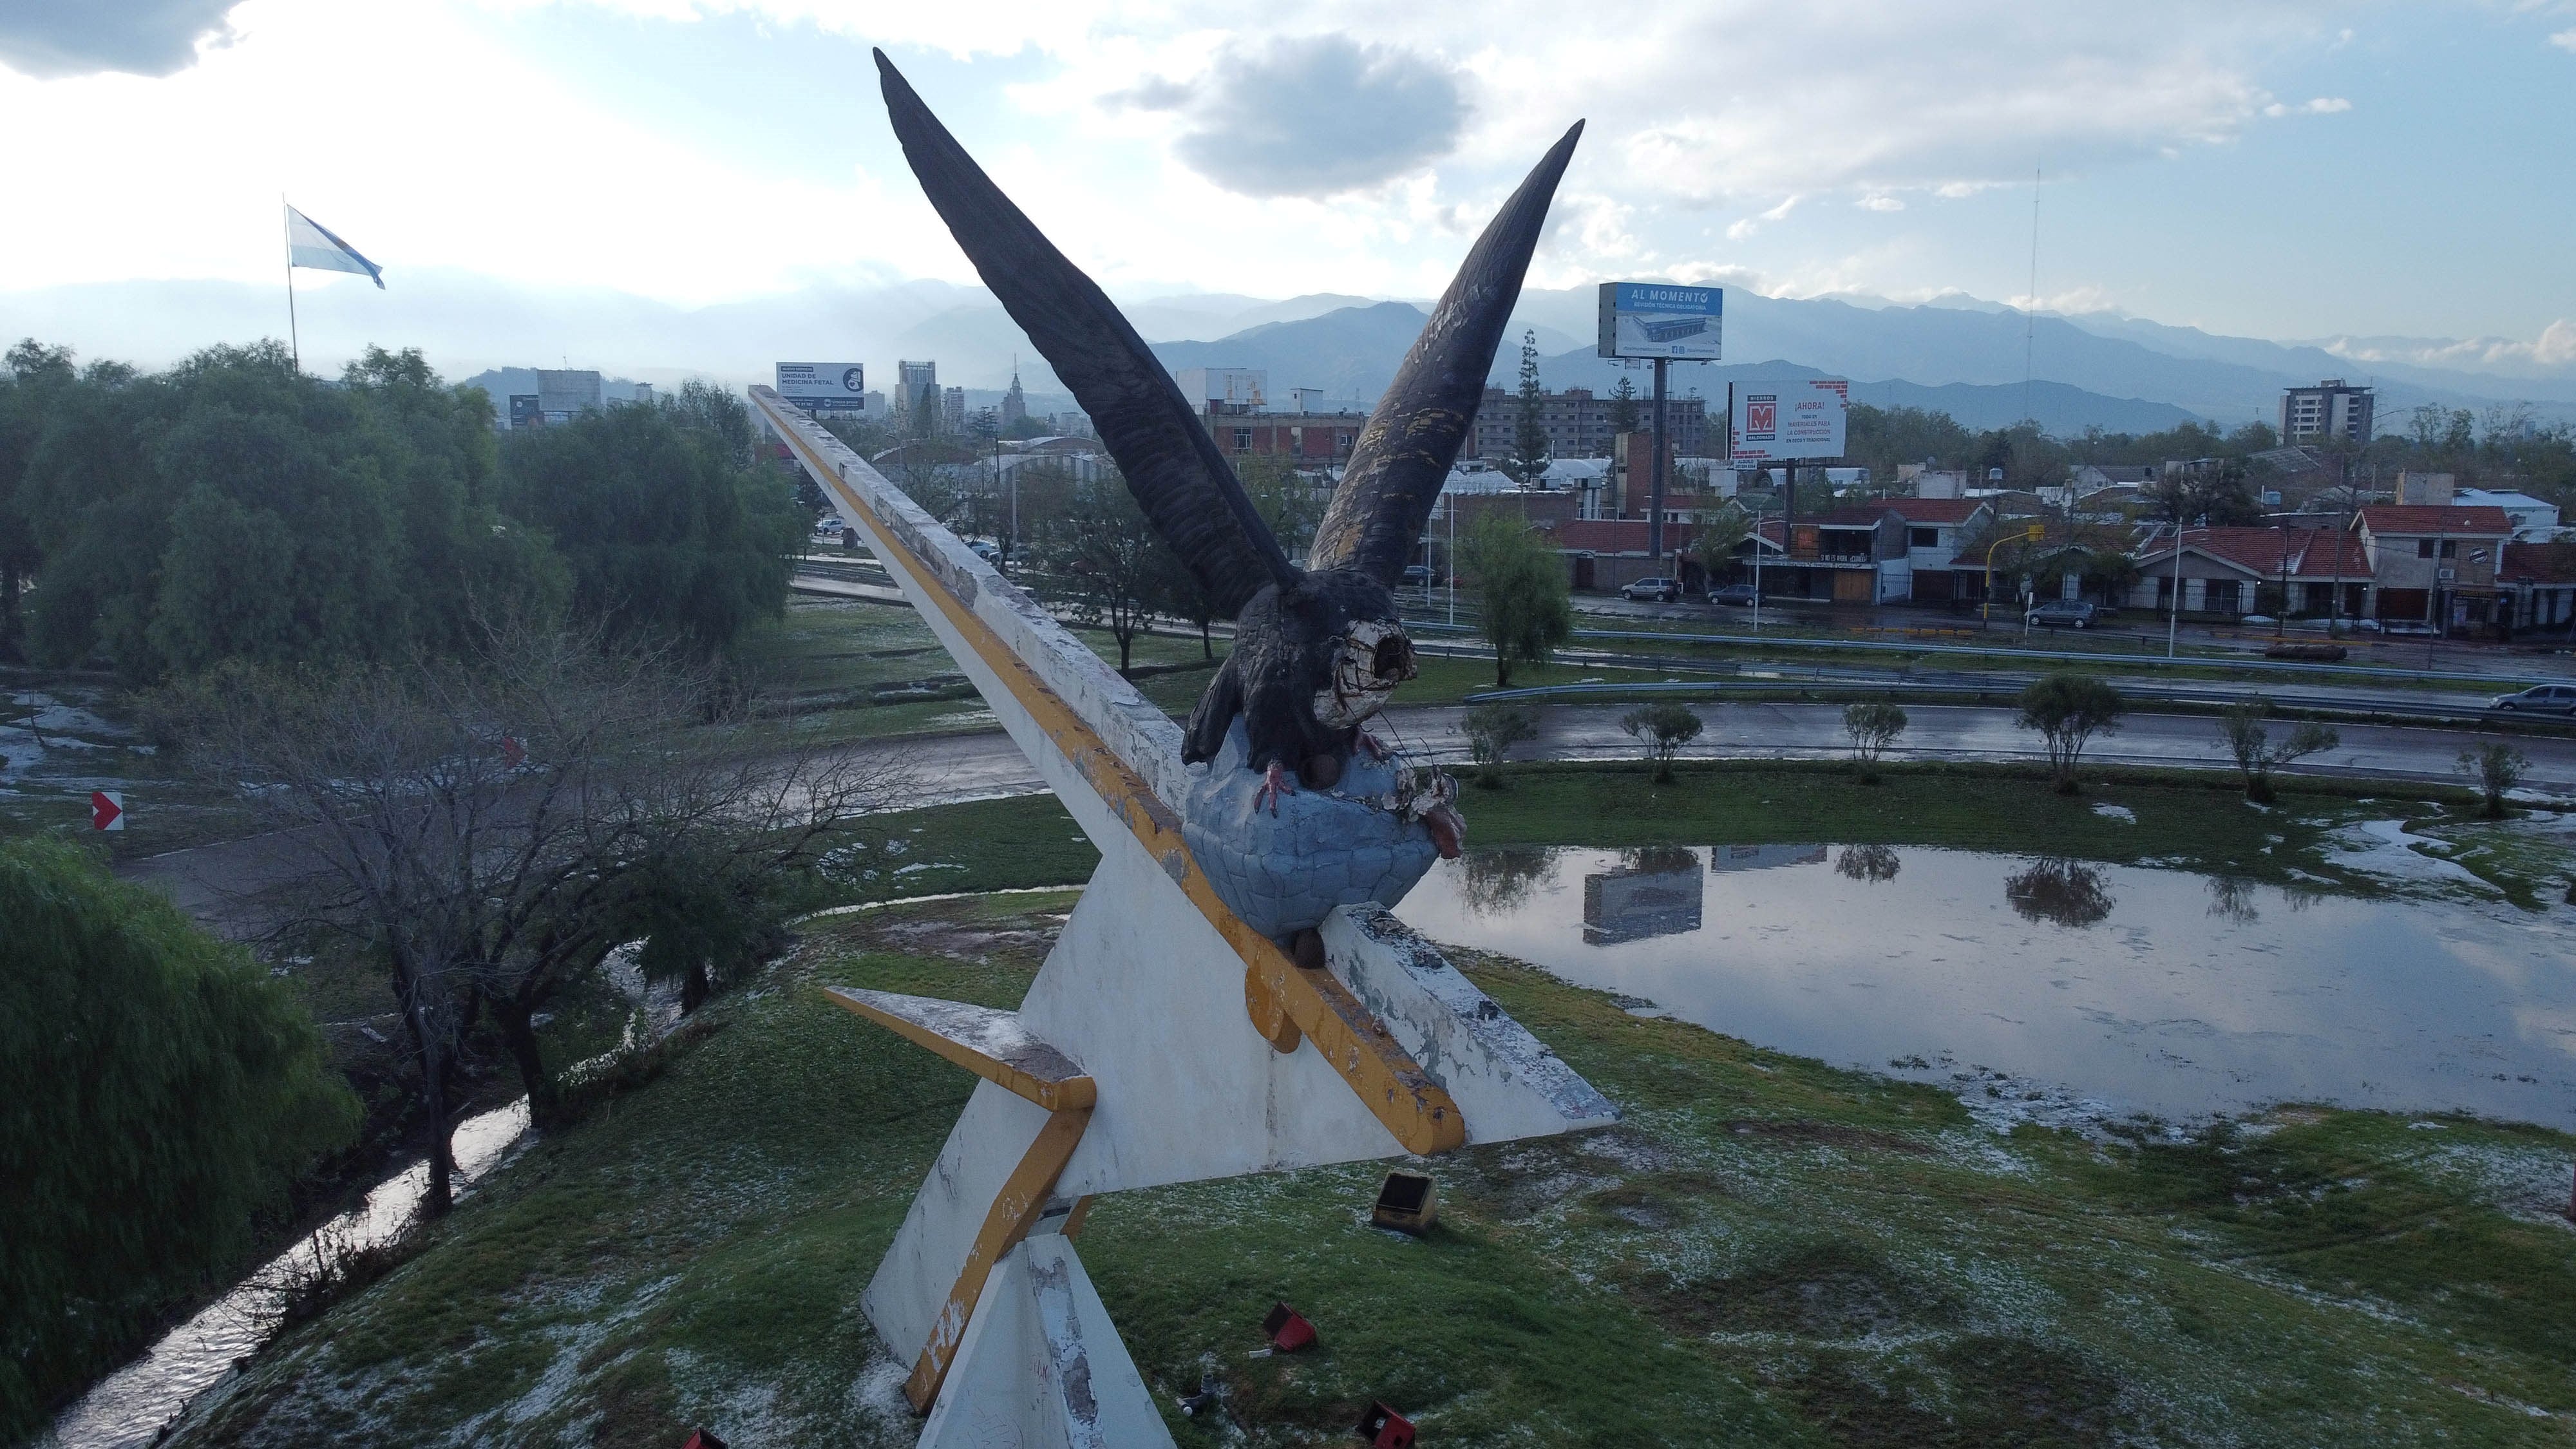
(293, 339)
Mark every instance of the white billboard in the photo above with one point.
(1649, 319)
(1789, 421)
(841, 384)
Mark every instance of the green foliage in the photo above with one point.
(1880, 438)
(1520, 587)
(1872, 725)
(669, 530)
(1714, 543)
(163, 1095)
(2250, 741)
(1623, 405)
(1492, 730)
(1663, 727)
(2068, 710)
(1530, 449)
(2496, 767)
(235, 508)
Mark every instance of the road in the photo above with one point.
(211, 881)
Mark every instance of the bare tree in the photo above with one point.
(2496, 767)
(2241, 726)
(1492, 730)
(2068, 710)
(1663, 728)
(492, 827)
(1873, 725)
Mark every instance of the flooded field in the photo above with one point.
(2052, 986)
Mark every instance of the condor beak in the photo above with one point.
(1448, 829)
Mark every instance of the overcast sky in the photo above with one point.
(2278, 170)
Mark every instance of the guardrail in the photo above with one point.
(2161, 693)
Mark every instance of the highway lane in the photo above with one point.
(217, 883)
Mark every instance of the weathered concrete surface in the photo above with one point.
(1040, 1366)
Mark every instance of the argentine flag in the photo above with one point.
(310, 244)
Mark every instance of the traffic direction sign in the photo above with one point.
(106, 810)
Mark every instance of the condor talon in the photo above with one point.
(1274, 783)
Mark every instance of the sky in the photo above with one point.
(2281, 170)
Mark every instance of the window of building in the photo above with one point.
(1923, 538)
(2423, 548)
(1243, 440)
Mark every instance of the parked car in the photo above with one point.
(829, 523)
(2539, 699)
(2064, 614)
(985, 549)
(1662, 591)
(1417, 576)
(1738, 594)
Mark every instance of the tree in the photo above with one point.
(1520, 588)
(2060, 892)
(33, 373)
(2216, 495)
(2241, 726)
(1714, 542)
(164, 1096)
(1104, 557)
(2496, 767)
(1495, 882)
(491, 827)
(1663, 728)
(669, 530)
(1873, 725)
(1623, 405)
(1492, 730)
(2068, 710)
(1529, 456)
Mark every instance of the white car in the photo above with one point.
(832, 524)
(1662, 591)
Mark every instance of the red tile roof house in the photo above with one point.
(2436, 563)
(2229, 570)
(2540, 581)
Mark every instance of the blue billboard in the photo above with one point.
(1656, 319)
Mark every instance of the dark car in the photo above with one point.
(1417, 576)
(2539, 699)
(1738, 594)
(2065, 614)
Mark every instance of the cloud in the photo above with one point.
(1881, 202)
(49, 38)
(2321, 106)
(1310, 116)
(2564, 40)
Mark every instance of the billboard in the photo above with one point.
(841, 384)
(1792, 420)
(1649, 319)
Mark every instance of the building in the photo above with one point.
(1015, 404)
(952, 411)
(1936, 529)
(1308, 439)
(524, 412)
(2239, 571)
(1580, 425)
(2331, 409)
(916, 388)
(565, 395)
(2416, 489)
(2540, 581)
(1224, 389)
(2535, 520)
(2435, 563)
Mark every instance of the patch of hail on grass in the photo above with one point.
(1998, 1102)
(2388, 850)
(2527, 1182)
(2109, 811)
(575, 1340)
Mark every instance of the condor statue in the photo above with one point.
(1317, 650)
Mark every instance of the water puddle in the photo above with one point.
(2125, 989)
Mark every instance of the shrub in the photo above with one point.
(2241, 726)
(1663, 728)
(2068, 710)
(2496, 767)
(1492, 730)
(1873, 725)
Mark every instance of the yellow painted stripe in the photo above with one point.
(1394, 1088)
(1004, 1225)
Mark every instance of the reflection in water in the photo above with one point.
(1496, 881)
(2232, 896)
(2159, 1006)
(2060, 892)
(1869, 862)
(1653, 892)
(1763, 857)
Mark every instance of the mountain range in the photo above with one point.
(1957, 354)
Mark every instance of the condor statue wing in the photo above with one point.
(1172, 465)
(1404, 452)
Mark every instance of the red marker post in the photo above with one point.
(106, 810)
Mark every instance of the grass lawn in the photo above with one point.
(1767, 1252)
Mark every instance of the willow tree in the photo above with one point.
(164, 1095)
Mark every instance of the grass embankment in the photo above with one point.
(1767, 1252)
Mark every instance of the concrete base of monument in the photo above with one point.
(1040, 1367)
(1143, 995)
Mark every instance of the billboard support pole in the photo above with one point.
(1655, 493)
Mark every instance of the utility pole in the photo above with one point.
(1655, 491)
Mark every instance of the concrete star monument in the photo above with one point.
(1231, 994)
